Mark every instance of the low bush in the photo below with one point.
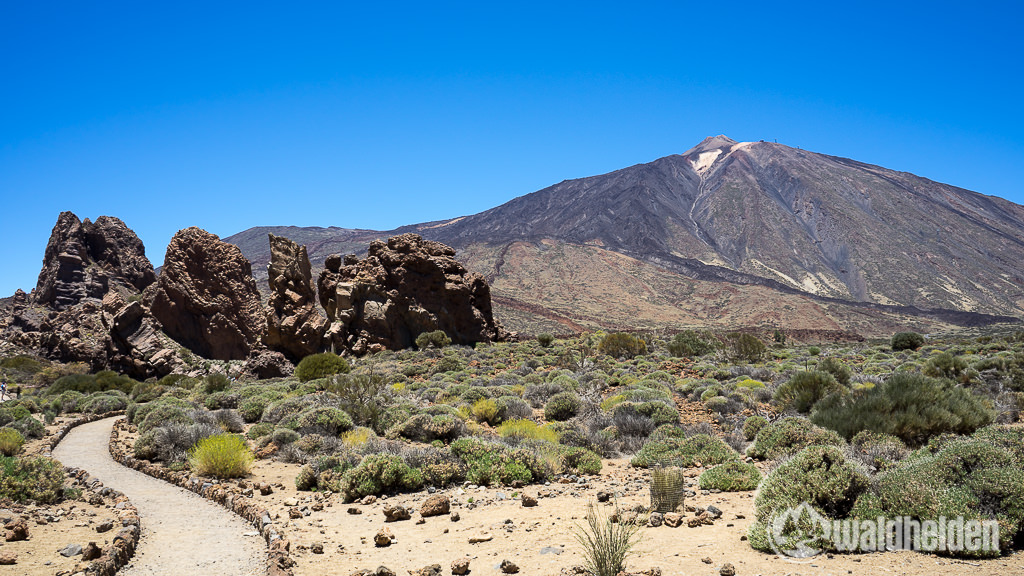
(881, 451)
(437, 339)
(790, 435)
(906, 341)
(562, 406)
(378, 474)
(31, 478)
(545, 340)
(216, 382)
(821, 476)
(29, 427)
(173, 441)
(326, 420)
(489, 463)
(427, 428)
(745, 347)
(841, 372)
(284, 436)
(539, 394)
(908, 405)
(11, 441)
(804, 389)
(753, 425)
(103, 402)
(259, 430)
(485, 410)
(622, 345)
(522, 429)
(320, 366)
(690, 343)
(89, 383)
(730, 477)
(221, 456)
(684, 452)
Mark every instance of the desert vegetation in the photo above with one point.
(857, 430)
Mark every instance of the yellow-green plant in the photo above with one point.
(222, 456)
(527, 430)
(11, 441)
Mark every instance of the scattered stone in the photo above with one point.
(460, 566)
(353, 510)
(294, 513)
(655, 520)
(455, 517)
(436, 505)
(105, 527)
(714, 512)
(266, 489)
(91, 551)
(291, 502)
(316, 548)
(604, 496)
(383, 571)
(8, 559)
(71, 550)
(383, 538)
(432, 570)
(551, 550)
(396, 513)
(673, 519)
(707, 560)
(17, 530)
(481, 537)
(367, 500)
(508, 567)
(528, 501)
(727, 570)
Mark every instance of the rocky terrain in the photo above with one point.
(859, 244)
(99, 302)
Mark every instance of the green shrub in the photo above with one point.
(89, 383)
(945, 365)
(146, 391)
(221, 456)
(259, 430)
(437, 339)
(906, 341)
(11, 441)
(545, 340)
(562, 406)
(34, 478)
(284, 436)
(103, 402)
(326, 420)
(216, 382)
(366, 397)
(753, 425)
(488, 463)
(818, 475)
(790, 435)
(804, 389)
(690, 343)
(813, 350)
(320, 366)
(575, 460)
(29, 427)
(879, 450)
(685, 452)
(251, 409)
(378, 474)
(841, 372)
(145, 446)
(485, 410)
(622, 345)
(908, 405)
(427, 428)
(745, 347)
(162, 413)
(730, 477)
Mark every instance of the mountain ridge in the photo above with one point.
(752, 213)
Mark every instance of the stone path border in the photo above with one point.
(121, 550)
(279, 560)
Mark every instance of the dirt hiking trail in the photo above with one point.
(182, 533)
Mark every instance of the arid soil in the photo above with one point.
(181, 533)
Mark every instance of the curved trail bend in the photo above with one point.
(182, 533)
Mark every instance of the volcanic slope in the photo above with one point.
(770, 235)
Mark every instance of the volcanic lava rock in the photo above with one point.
(404, 287)
(294, 325)
(206, 297)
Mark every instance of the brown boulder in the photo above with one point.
(404, 287)
(460, 566)
(8, 559)
(17, 530)
(383, 538)
(91, 551)
(206, 297)
(265, 364)
(436, 505)
(396, 513)
(294, 325)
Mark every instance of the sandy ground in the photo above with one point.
(182, 533)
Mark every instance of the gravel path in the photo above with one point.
(182, 533)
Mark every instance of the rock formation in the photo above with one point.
(402, 288)
(206, 298)
(87, 305)
(294, 325)
(86, 259)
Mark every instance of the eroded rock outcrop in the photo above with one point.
(87, 259)
(294, 325)
(206, 297)
(404, 287)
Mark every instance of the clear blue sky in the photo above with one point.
(378, 114)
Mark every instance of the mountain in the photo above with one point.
(731, 234)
